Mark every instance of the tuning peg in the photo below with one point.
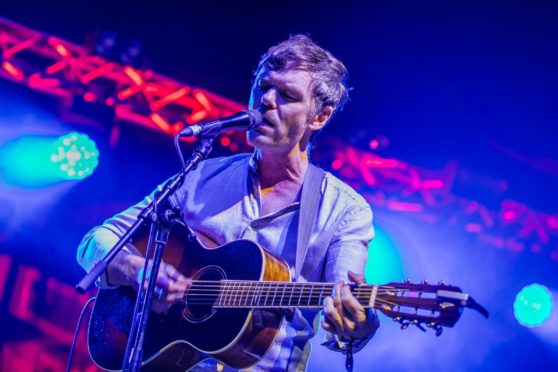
(404, 324)
(408, 281)
(438, 328)
(441, 282)
(418, 325)
(424, 281)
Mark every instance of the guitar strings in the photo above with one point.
(378, 304)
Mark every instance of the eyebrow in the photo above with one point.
(290, 88)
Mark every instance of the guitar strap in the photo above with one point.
(308, 210)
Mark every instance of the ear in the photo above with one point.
(321, 118)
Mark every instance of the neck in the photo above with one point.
(277, 167)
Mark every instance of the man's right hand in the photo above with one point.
(127, 269)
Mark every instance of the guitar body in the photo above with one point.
(187, 334)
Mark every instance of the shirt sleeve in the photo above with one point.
(98, 242)
(348, 251)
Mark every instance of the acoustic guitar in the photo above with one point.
(234, 308)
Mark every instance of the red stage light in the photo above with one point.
(15, 72)
(508, 216)
(177, 127)
(404, 207)
(134, 75)
(203, 100)
(169, 98)
(52, 69)
(60, 49)
(160, 122)
(432, 184)
(8, 53)
(382, 163)
(374, 144)
(89, 97)
(38, 82)
(104, 69)
(225, 141)
(197, 116)
(337, 164)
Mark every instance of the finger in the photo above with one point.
(173, 273)
(356, 278)
(351, 306)
(327, 326)
(337, 302)
(332, 315)
(176, 281)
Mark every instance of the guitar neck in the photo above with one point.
(277, 295)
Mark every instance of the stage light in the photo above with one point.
(533, 305)
(384, 263)
(40, 161)
(75, 156)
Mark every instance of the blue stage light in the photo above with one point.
(533, 305)
(39, 161)
(384, 262)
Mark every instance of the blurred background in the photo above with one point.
(450, 135)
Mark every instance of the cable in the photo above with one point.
(72, 348)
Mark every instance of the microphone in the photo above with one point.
(245, 119)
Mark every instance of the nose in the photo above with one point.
(268, 99)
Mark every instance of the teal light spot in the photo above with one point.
(533, 305)
(75, 156)
(39, 161)
(384, 262)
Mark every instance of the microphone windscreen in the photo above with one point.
(255, 117)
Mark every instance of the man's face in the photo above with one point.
(286, 102)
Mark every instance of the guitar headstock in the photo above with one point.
(424, 305)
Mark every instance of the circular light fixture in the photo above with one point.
(75, 156)
(533, 305)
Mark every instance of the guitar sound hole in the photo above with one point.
(203, 294)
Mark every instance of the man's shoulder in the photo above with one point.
(222, 163)
(338, 190)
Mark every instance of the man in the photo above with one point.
(298, 87)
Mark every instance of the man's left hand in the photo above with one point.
(345, 316)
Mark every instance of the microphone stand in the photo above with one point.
(161, 221)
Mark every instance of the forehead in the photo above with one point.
(289, 78)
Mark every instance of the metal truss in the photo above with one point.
(60, 68)
(430, 195)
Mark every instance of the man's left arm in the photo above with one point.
(344, 317)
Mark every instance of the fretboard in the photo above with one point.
(277, 295)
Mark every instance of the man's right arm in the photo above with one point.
(128, 264)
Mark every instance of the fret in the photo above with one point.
(257, 294)
(320, 300)
(251, 294)
(235, 288)
(231, 293)
(266, 293)
(226, 293)
(310, 296)
(283, 294)
(222, 286)
(300, 295)
(242, 294)
(275, 294)
(292, 286)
